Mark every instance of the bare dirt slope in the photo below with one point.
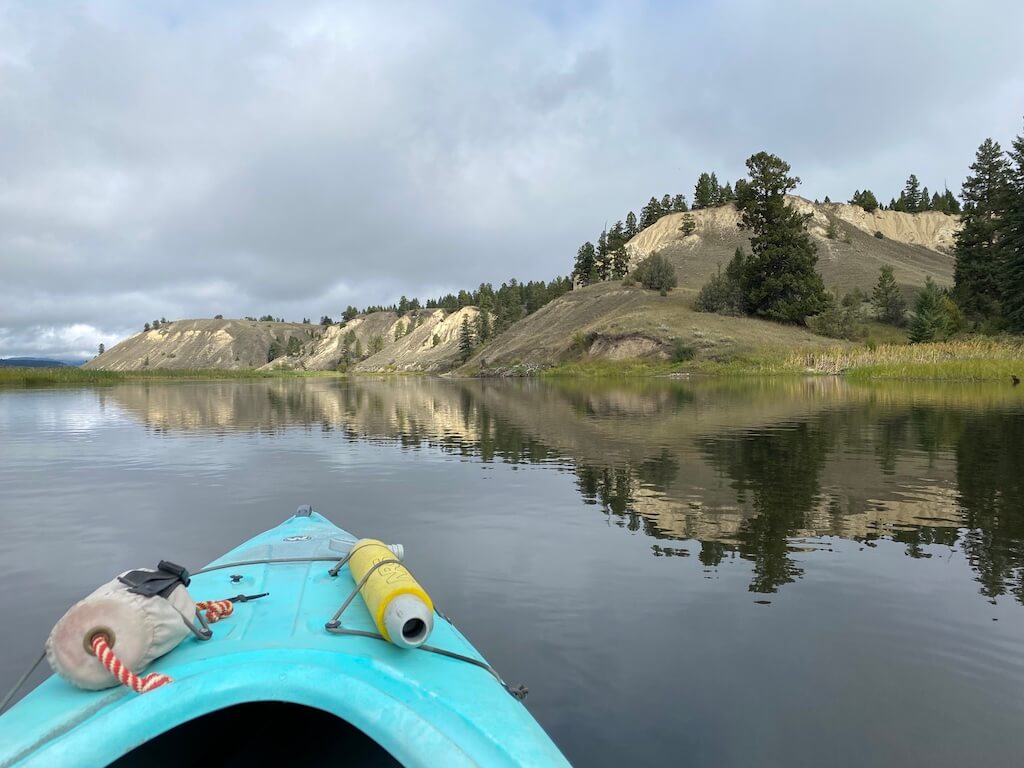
(363, 333)
(403, 343)
(245, 344)
(915, 245)
(195, 344)
(433, 345)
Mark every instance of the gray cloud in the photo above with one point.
(289, 157)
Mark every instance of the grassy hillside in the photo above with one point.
(610, 321)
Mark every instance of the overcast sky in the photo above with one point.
(187, 159)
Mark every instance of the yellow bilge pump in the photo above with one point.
(401, 609)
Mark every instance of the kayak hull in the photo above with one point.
(423, 708)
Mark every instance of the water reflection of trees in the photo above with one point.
(776, 473)
(990, 479)
(778, 469)
(789, 464)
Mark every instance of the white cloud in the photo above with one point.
(295, 157)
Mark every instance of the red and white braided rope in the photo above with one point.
(216, 609)
(101, 647)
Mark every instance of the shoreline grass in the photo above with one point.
(971, 359)
(968, 360)
(70, 376)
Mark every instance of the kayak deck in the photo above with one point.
(423, 708)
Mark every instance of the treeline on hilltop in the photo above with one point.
(498, 309)
(913, 199)
(608, 259)
(508, 303)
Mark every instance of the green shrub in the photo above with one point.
(837, 321)
(854, 298)
(656, 273)
(681, 351)
(723, 293)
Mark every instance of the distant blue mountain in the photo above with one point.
(31, 362)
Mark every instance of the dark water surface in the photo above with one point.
(706, 573)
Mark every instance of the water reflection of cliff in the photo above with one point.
(745, 468)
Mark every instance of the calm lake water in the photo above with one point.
(706, 573)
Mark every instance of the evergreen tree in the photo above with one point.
(1013, 240)
(924, 201)
(101, 349)
(952, 205)
(928, 321)
(716, 190)
(617, 236)
(349, 313)
(938, 203)
(650, 213)
(865, 200)
(666, 204)
(893, 204)
(620, 263)
(704, 192)
(145, 327)
(689, 225)
(483, 326)
(631, 229)
(887, 300)
(586, 262)
(466, 340)
(727, 195)
(679, 204)
(911, 196)
(603, 257)
(978, 248)
(780, 282)
(275, 350)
